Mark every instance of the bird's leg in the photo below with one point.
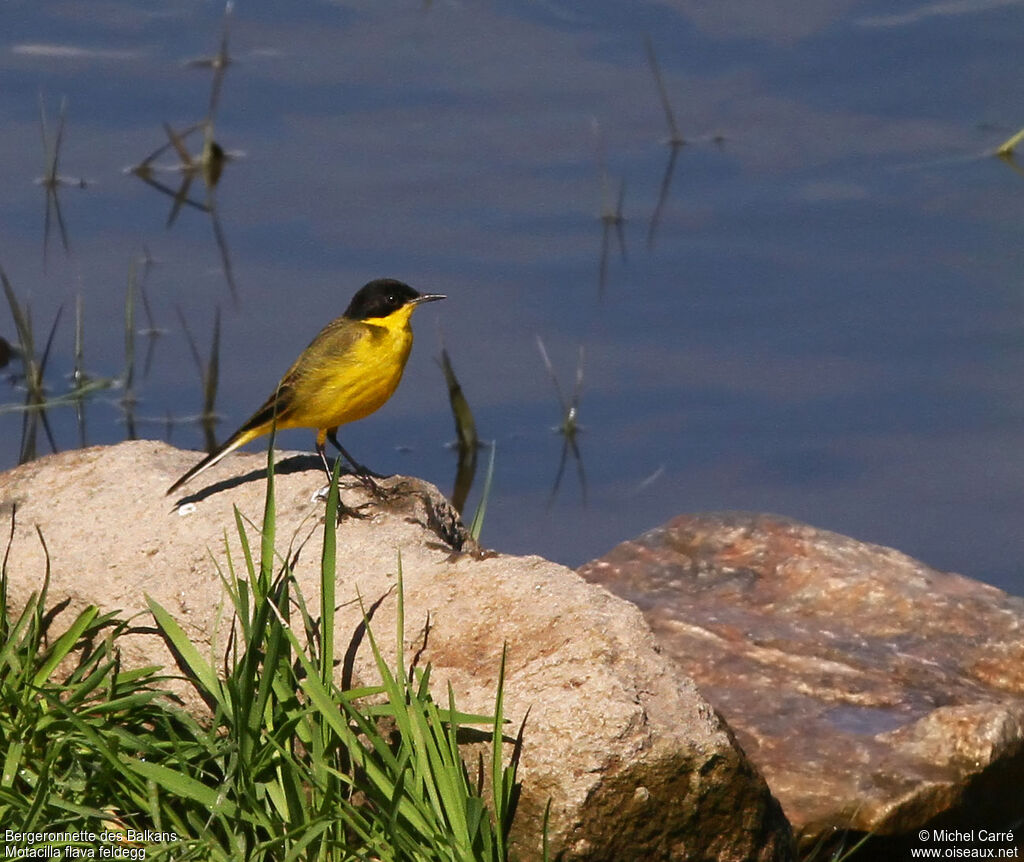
(343, 510)
(361, 472)
(321, 442)
(332, 435)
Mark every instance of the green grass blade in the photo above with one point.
(199, 669)
(12, 762)
(328, 560)
(477, 525)
(21, 321)
(181, 785)
(269, 519)
(1009, 146)
(64, 644)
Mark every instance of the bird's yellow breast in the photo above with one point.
(350, 370)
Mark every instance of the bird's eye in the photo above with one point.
(392, 299)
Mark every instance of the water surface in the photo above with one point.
(824, 322)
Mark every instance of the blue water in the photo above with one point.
(826, 322)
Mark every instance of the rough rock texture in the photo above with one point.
(635, 762)
(873, 692)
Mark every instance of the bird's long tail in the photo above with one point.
(239, 438)
(261, 422)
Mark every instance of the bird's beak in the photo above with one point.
(428, 297)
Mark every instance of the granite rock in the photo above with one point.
(635, 762)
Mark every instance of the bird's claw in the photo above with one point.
(343, 511)
(351, 512)
(382, 494)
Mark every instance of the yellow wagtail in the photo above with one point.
(348, 371)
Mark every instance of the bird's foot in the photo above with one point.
(379, 493)
(343, 510)
(351, 511)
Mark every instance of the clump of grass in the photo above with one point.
(321, 773)
(68, 712)
(290, 766)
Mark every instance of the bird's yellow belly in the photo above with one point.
(339, 392)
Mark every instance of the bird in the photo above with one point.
(351, 368)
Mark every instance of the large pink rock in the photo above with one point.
(875, 694)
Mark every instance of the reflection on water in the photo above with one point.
(208, 164)
(467, 443)
(33, 410)
(52, 180)
(819, 313)
(209, 373)
(675, 142)
(569, 427)
(612, 219)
